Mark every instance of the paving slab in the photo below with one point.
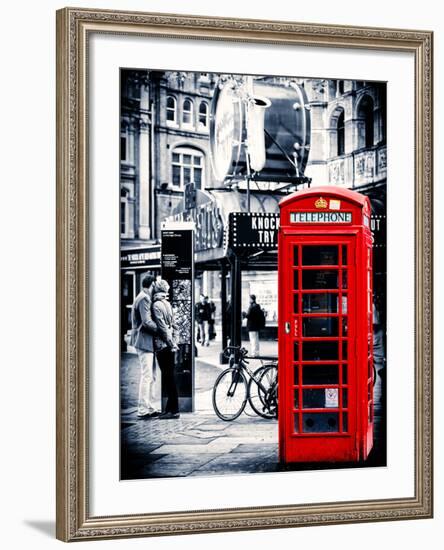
(238, 463)
(263, 449)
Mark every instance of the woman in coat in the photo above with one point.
(165, 346)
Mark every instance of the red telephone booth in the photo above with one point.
(325, 326)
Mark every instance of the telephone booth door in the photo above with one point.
(318, 397)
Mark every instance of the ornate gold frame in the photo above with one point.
(73, 519)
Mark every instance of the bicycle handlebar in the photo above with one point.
(235, 350)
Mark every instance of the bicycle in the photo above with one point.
(231, 390)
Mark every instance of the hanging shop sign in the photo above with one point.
(208, 222)
(253, 230)
(266, 122)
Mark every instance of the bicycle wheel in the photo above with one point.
(230, 394)
(262, 395)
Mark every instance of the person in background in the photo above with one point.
(211, 322)
(255, 322)
(143, 328)
(202, 315)
(165, 346)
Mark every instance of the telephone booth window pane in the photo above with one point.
(296, 399)
(296, 423)
(320, 374)
(314, 279)
(295, 303)
(316, 351)
(313, 399)
(295, 255)
(296, 351)
(323, 398)
(319, 303)
(320, 255)
(344, 255)
(320, 326)
(344, 350)
(344, 326)
(345, 422)
(295, 279)
(344, 374)
(345, 398)
(320, 422)
(344, 279)
(296, 375)
(344, 304)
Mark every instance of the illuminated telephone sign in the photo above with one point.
(325, 326)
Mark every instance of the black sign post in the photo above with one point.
(177, 268)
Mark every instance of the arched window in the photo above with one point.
(203, 115)
(187, 166)
(366, 120)
(171, 110)
(187, 112)
(340, 135)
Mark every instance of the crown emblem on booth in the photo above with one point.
(321, 203)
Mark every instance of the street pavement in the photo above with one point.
(199, 443)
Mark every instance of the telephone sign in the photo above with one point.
(320, 217)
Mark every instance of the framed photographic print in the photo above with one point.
(244, 274)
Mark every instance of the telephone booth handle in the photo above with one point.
(287, 328)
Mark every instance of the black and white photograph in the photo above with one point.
(252, 273)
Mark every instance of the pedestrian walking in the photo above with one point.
(212, 320)
(143, 328)
(165, 345)
(255, 322)
(202, 314)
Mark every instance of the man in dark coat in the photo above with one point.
(255, 322)
(143, 329)
(202, 314)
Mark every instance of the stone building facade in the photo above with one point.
(348, 132)
(164, 145)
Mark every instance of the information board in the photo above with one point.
(177, 268)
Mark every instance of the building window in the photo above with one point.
(187, 167)
(123, 151)
(366, 118)
(171, 110)
(203, 115)
(124, 211)
(341, 135)
(187, 112)
(383, 119)
(340, 87)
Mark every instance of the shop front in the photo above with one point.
(134, 263)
